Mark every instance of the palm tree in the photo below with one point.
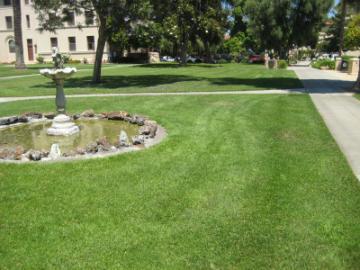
(19, 49)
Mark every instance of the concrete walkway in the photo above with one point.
(254, 92)
(339, 109)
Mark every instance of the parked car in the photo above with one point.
(256, 58)
(191, 59)
(167, 59)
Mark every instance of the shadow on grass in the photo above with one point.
(176, 65)
(113, 82)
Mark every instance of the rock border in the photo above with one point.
(150, 133)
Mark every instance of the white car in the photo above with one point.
(167, 59)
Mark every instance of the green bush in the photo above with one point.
(282, 64)
(327, 63)
(222, 61)
(71, 61)
(40, 59)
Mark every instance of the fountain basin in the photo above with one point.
(58, 74)
(100, 135)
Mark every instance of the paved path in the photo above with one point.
(254, 92)
(339, 109)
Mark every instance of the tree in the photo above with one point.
(345, 6)
(282, 25)
(352, 40)
(19, 48)
(111, 16)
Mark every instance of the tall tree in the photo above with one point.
(346, 5)
(110, 14)
(19, 48)
(282, 25)
(200, 23)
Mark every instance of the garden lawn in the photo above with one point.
(7, 70)
(159, 78)
(241, 182)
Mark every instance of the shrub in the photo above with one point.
(85, 61)
(282, 64)
(40, 59)
(222, 61)
(327, 63)
(66, 58)
(71, 61)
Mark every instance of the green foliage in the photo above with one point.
(282, 64)
(323, 63)
(40, 59)
(280, 25)
(352, 33)
(235, 45)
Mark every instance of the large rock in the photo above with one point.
(116, 115)
(103, 144)
(153, 130)
(33, 115)
(35, 155)
(145, 130)
(55, 151)
(49, 115)
(123, 139)
(8, 120)
(88, 113)
(138, 139)
(92, 148)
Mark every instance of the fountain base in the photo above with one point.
(62, 126)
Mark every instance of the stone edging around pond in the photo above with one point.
(150, 133)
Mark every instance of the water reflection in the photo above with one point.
(34, 136)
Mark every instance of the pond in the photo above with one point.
(34, 136)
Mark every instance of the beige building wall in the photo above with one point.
(38, 43)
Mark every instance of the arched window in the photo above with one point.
(11, 45)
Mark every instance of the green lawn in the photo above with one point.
(241, 182)
(9, 70)
(159, 78)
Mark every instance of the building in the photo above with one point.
(80, 44)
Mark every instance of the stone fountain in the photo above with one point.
(62, 124)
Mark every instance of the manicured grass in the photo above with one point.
(160, 78)
(9, 70)
(241, 182)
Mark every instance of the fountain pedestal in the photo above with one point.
(62, 126)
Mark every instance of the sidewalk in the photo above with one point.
(339, 109)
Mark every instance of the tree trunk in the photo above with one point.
(208, 58)
(19, 49)
(342, 27)
(183, 48)
(356, 86)
(99, 52)
(183, 53)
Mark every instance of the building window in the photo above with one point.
(7, 3)
(91, 43)
(89, 17)
(72, 44)
(71, 19)
(54, 42)
(28, 21)
(27, 2)
(11, 46)
(9, 23)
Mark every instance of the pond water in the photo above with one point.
(34, 136)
